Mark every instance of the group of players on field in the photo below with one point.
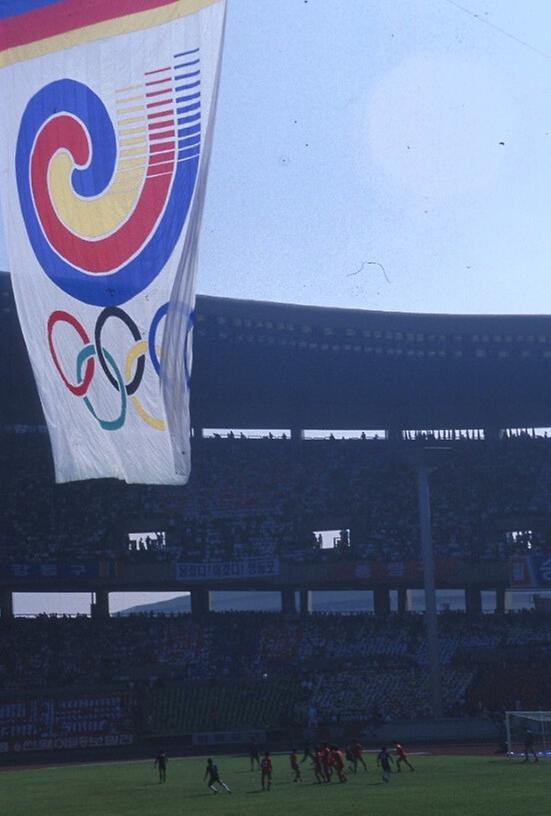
(328, 762)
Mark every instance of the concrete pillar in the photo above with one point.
(381, 601)
(473, 601)
(402, 605)
(297, 434)
(431, 617)
(6, 604)
(305, 602)
(200, 603)
(500, 600)
(100, 605)
(288, 606)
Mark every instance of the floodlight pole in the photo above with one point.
(431, 620)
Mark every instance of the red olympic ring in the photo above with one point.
(55, 317)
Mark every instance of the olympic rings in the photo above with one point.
(162, 311)
(115, 311)
(158, 424)
(125, 382)
(80, 389)
(106, 424)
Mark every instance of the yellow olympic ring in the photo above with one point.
(135, 351)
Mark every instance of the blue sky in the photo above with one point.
(382, 154)
(372, 131)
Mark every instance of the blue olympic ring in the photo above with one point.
(161, 312)
(106, 424)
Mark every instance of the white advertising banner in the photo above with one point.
(228, 570)
(104, 156)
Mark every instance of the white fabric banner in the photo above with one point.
(104, 158)
(228, 570)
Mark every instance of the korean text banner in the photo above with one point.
(104, 148)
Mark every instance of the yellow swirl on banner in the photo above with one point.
(93, 218)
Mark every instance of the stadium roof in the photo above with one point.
(275, 365)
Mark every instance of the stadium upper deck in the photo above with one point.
(273, 365)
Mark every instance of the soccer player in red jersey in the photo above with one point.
(402, 757)
(266, 770)
(293, 759)
(337, 760)
(356, 750)
(318, 765)
(326, 764)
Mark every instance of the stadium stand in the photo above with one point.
(251, 498)
(267, 366)
(239, 670)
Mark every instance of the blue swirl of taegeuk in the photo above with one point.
(66, 96)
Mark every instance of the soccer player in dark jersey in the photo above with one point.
(384, 761)
(295, 767)
(529, 746)
(160, 762)
(308, 753)
(254, 755)
(214, 779)
(266, 771)
(356, 751)
(402, 757)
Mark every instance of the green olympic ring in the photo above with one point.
(106, 424)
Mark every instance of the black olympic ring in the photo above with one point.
(114, 311)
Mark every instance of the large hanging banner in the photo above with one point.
(104, 147)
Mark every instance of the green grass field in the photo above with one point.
(441, 786)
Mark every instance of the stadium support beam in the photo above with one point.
(381, 601)
(6, 604)
(500, 600)
(200, 603)
(288, 606)
(431, 619)
(473, 601)
(402, 600)
(100, 605)
(305, 602)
